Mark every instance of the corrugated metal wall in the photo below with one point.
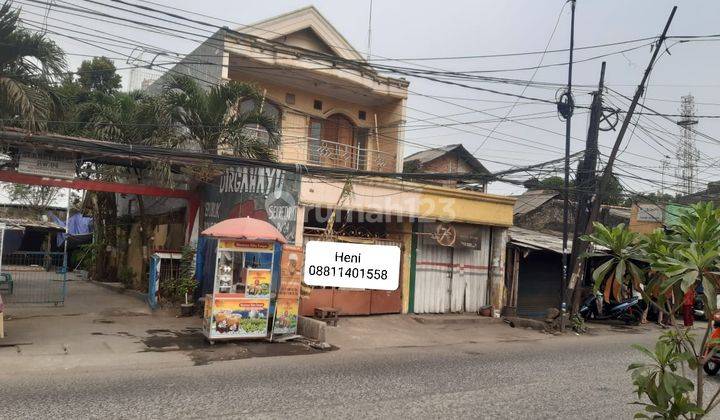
(472, 269)
(432, 278)
(451, 279)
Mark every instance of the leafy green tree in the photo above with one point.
(99, 75)
(680, 259)
(620, 271)
(28, 64)
(129, 118)
(37, 198)
(227, 118)
(661, 381)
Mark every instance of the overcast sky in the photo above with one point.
(414, 28)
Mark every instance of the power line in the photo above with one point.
(542, 57)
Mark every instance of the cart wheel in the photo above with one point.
(212, 342)
(711, 367)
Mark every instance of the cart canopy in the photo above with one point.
(245, 228)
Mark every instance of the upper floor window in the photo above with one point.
(337, 142)
(268, 109)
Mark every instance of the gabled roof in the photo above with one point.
(304, 20)
(426, 156)
(532, 199)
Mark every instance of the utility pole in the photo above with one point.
(586, 178)
(568, 111)
(607, 173)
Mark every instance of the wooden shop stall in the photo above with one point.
(256, 290)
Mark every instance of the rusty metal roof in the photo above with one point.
(532, 199)
(533, 239)
(425, 156)
(22, 223)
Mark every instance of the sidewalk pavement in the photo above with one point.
(98, 328)
(383, 331)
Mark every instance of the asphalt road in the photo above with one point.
(573, 378)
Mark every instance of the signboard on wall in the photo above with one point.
(263, 193)
(650, 213)
(47, 164)
(359, 266)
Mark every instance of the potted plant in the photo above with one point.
(186, 288)
(186, 280)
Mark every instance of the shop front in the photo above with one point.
(378, 212)
(354, 228)
(407, 215)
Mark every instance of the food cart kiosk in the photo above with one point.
(244, 299)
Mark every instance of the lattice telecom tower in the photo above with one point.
(687, 153)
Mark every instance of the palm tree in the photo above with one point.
(227, 118)
(28, 62)
(129, 118)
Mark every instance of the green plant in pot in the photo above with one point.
(185, 288)
(186, 281)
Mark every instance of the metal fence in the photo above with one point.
(33, 277)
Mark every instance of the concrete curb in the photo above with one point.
(312, 328)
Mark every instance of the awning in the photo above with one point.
(532, 239)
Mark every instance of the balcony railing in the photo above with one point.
(314, 151)
(341, 155)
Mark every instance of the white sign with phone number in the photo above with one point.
(339, 264)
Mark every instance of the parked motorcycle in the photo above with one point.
(699, 307)
(629, 310)
(712, 366)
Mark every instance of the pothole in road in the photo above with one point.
(192, 342)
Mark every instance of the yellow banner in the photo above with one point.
(244, 246)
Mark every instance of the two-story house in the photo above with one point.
(336, 111)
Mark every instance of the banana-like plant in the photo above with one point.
(692, 256)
